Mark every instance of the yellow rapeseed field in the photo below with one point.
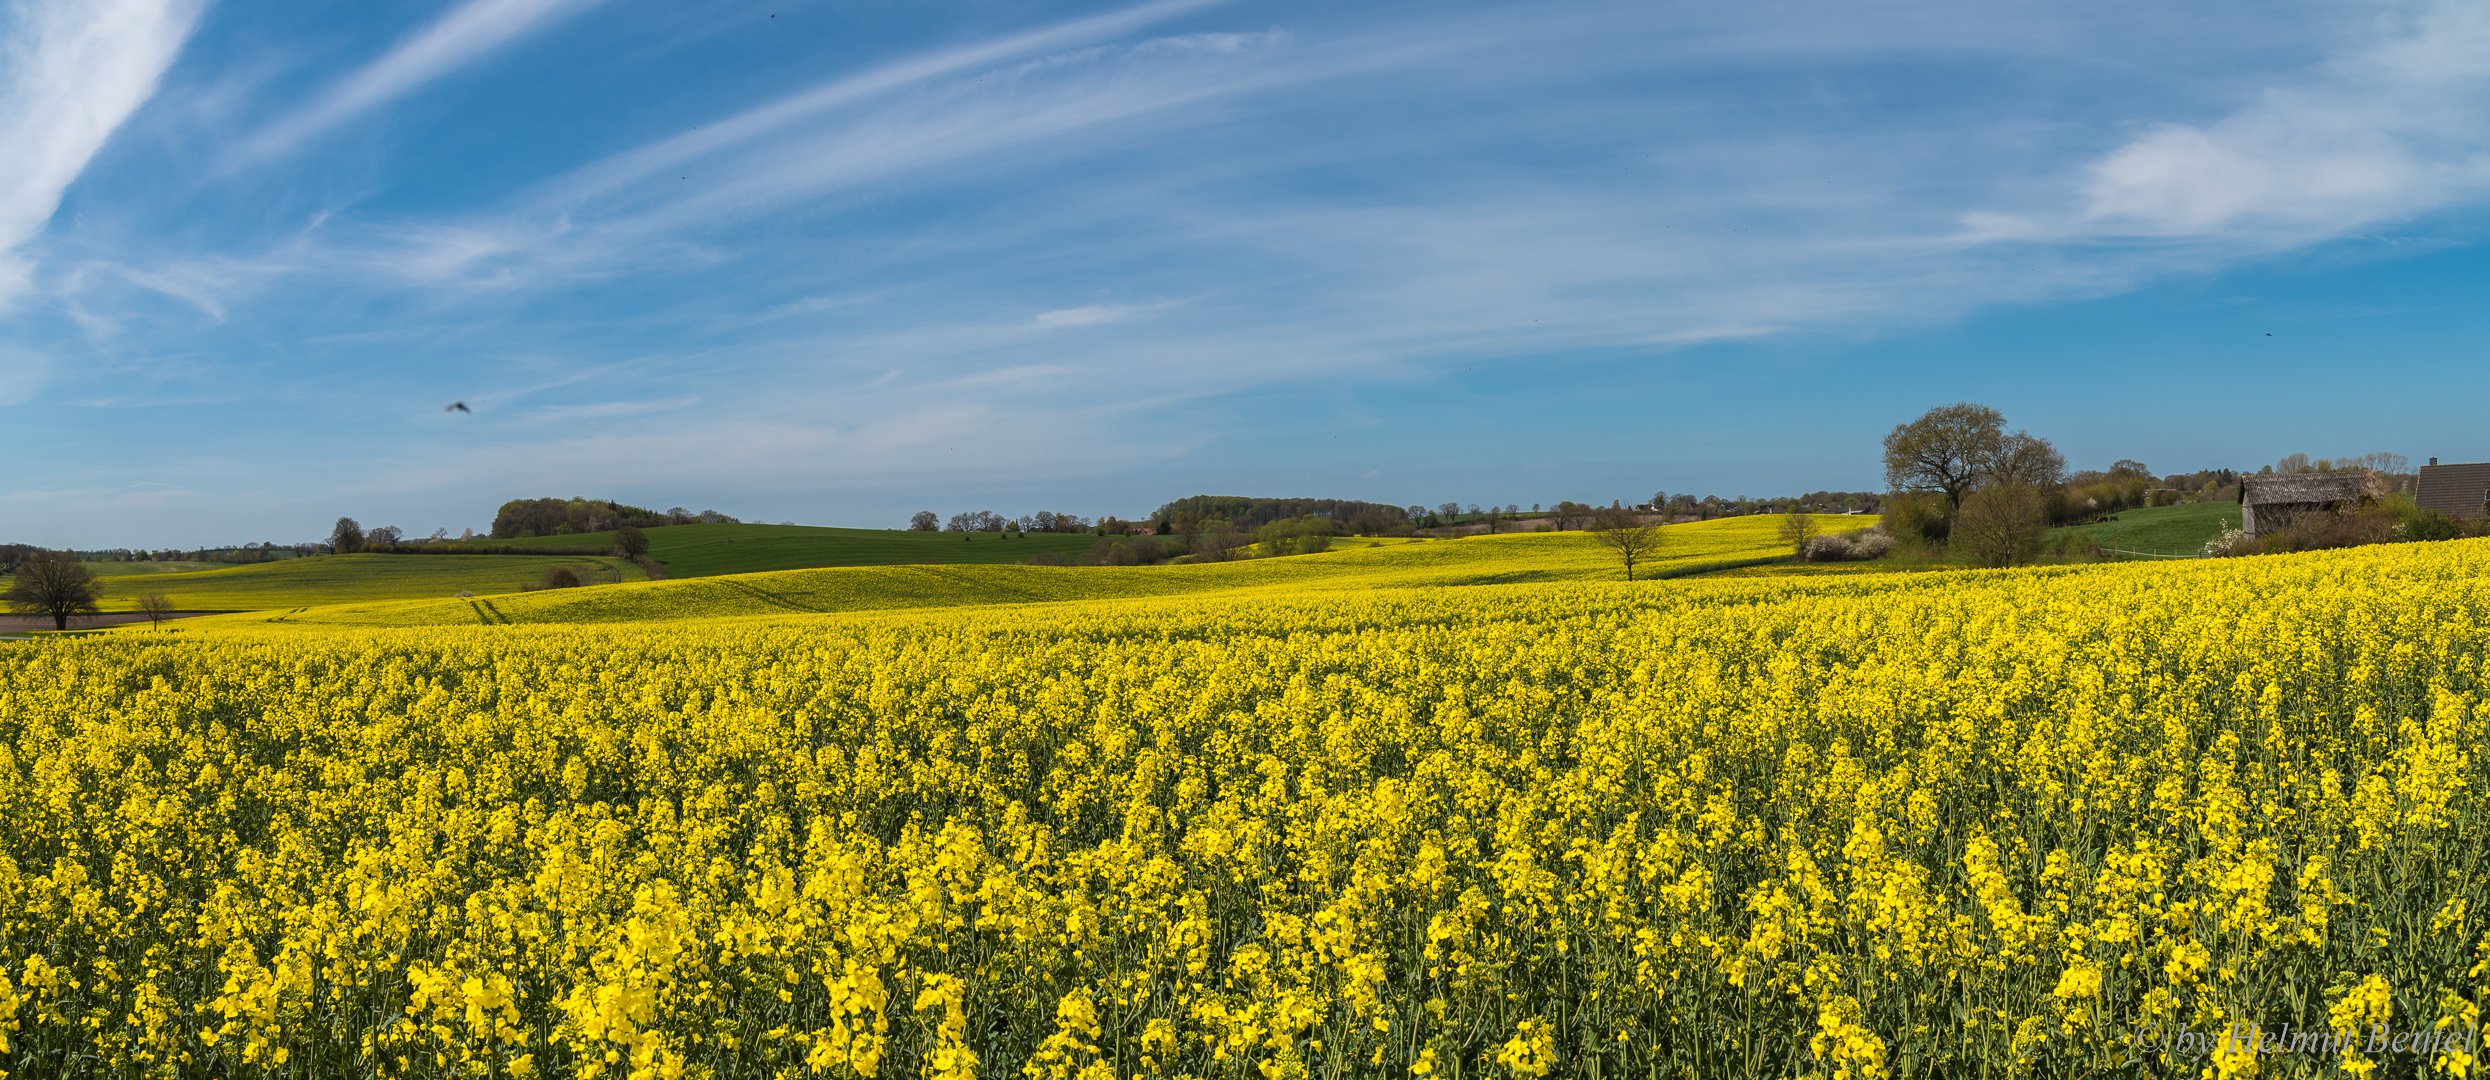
(2034, 822)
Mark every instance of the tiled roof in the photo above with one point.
(2454, 490)
(2317, 487)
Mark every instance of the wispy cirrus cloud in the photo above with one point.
(71, 71)
(2396, 126)
(930, 265)
(465, 36)
(1091, 315)
(848, 90)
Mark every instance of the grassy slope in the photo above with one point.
(1478, 560)
(141, 569)
(706, 550)
(2164, 528)
(349, 579)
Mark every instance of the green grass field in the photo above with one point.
(709, 550)
(2173, 529)
(142, 569)
(351, 579)
(1469, 561)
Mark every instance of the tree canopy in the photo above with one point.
(55, 584)
(563, 517)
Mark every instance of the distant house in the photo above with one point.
(2458, 491)
(2267, 503)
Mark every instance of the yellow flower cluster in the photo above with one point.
(2012, 823)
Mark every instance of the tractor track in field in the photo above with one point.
(768, 597)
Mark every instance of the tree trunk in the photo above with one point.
(60, 620)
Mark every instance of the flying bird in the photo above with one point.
(457, 406)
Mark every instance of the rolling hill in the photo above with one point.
(708, 550)
(348, 579)
(1468, 561)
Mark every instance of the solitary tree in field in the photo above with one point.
(924, 521)
(157, 607)
(52, 583)
(347, 537)
(631, 542)
(560, 577)
(1946, 451)
(1797, 527)
(1620, 531)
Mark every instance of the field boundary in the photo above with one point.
(1671, 573)
(2155, 554)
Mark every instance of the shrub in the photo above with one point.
(560, 577)
(2001, 525)
(2424, 524)
(1917, 516)
(2373, 524)
(1857, 545)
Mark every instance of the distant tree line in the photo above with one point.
(1349, 516)
(265, 552)
(975, 521)
(1212, 540)
(564, 517)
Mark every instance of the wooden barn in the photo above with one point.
(2458, 491)
(2267, 503)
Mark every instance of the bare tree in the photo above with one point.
(2001, 524)
(1797, 527)
(2025, 459)
(52, 583)
(1633, 539)
(1946, 450)
(347, 537)
(156, 607)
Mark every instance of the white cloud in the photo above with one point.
(754, 123)
(71, 71)
(1090, 315)
(2390, 130)
(464, 36)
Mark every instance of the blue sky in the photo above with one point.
(834, 262)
